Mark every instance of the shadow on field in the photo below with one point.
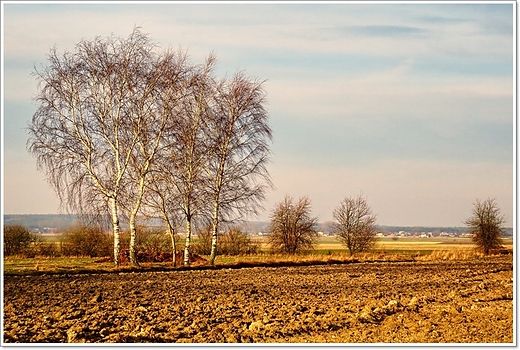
(240, 265)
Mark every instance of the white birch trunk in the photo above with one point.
(115, 228)
(188, 240)
(174, 248)
(214, 234)
(133, 234)
(132, 218)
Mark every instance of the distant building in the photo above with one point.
(50, 230)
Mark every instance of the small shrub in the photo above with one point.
(202, 245)
(49, 249)
(86, 241)
(236, 242)
(147, 239)
(153, 240)
(17, 240)
(231, 242)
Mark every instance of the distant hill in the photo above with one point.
(42, 222)
(60, 221)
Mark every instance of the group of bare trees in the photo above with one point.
(125, 129)
(292, 228)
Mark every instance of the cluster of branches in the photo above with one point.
(292, 228)
(123, 128)
(355, 224)
(486, 224)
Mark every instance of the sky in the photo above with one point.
(411, 105)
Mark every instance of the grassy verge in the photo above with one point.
(75, 265)
(328, 251)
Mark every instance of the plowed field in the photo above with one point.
(417, 302)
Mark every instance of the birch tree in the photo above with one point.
(187, 149)
(160, 93)
(83, 133)
(239, 136)
(162, 199)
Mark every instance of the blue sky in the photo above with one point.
(411, 104)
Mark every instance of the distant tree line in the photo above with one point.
(124, 129)
(153, 244)
(39, 221)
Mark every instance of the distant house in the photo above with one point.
(50, 229)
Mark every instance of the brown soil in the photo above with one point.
(417, 302)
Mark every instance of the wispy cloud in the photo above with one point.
(442, 20)
(393, 31)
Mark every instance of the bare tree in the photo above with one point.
(355, 224)
(160, 95)
(486, 225)
(292, 229)
(92, 107)
(239, 137)
(167, 191)
(186, 149)
(78, 141)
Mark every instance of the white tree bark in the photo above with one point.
(115, 228)
(188, 242)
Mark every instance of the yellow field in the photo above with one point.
(401, 244)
